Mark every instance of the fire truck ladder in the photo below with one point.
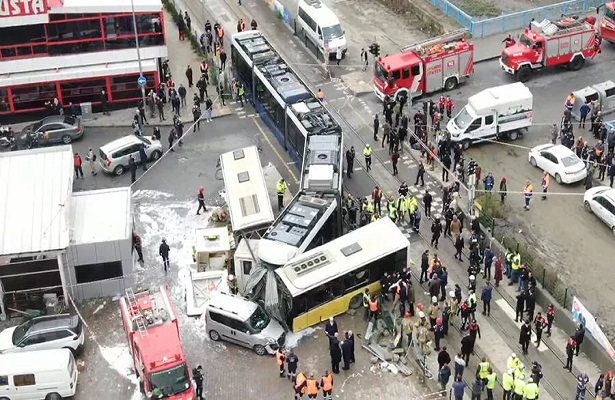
(447, 37)
(135, 312)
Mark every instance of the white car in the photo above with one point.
(115, 156)
(62, 331)
(600, 200)
(559, 161)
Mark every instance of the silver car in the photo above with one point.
(243, 322)
(55, 129)
(114, 157)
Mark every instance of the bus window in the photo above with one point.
(356, 278)
(319, 296)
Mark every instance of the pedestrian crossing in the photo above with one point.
(241, 110)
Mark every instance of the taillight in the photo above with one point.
(108, 163)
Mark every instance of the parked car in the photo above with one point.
(559, 161)
(62, 331)
(114, 156)
(243, 322)
(600, 200)
(54, 129)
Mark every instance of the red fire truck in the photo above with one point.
(607, 26)
(151, 326)
(567, 42)
(429, 66)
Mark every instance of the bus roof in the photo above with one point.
(31, 362)
(341, 256)
(246, 190)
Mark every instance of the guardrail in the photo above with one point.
(518, 20)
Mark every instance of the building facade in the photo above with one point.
(72, 50)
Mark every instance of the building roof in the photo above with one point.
(35, 192)
(106, 6)
(98, 216)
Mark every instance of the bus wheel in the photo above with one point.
(356, 302)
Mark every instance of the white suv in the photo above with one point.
(114, 156)
(600, 200)
(63, 331)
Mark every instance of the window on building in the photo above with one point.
(15, 35)
(98, 272)
(35, 96)
(24, 380)
(74, 30)
(118, 26)
(4, 100)
(82, 91)
(125, 87)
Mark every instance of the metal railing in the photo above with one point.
(519, 20)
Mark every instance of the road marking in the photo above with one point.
(508, 310)
(358, 168)
(277, 153)
(386, 162)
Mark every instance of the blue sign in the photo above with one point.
(141, 81)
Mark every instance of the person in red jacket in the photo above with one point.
(77, 165)
(201, 199)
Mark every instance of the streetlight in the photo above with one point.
(134, 25)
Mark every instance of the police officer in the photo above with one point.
(507, 384)
(571, 346)
(198, 381)
(367, 153)
(539, 325)
(281, 188)
(531, 390)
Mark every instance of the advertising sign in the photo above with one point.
(582, 316)
(23, 12)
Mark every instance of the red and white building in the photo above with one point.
(73, 49)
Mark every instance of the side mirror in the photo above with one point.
(344, 32)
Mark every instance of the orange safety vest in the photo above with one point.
(376, 195)
(320, 95)
(279, 357)
(373, 306)
(546, 180)
(327, 383)
(312, 386)
(220, 32)
(243, 26)
(299, 381)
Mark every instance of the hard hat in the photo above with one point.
(511, 371)
(421, 314)
(367, 145)
(530, 380)
(407, 315)
(434, 299)
(451, 293)
(472, 277)
(513, 355)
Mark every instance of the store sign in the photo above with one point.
(23, 12)
(582, 316)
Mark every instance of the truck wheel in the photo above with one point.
(466, 144)
(400, 96)
(576, 63)
(524, 73)
(513, 135)
(450, 84)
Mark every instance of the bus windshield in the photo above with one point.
(169, 382)
(381, 73)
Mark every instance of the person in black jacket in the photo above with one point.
(350, 338)
(198, 381)
(579, 335)
(467, 347)
(336, 353)
(525, 335)
(520, 306)
(436, 231)
(331, 328)
(530, 304)
(346, 352)
(163, 251)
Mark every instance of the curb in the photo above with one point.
(487, 59)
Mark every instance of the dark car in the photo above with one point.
(54, 129)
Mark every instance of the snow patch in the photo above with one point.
(150, 195)
(292, 338)
(120, 360)
(100, 307)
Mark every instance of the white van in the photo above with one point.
(498, 112)
(38, 375)
(320, 25)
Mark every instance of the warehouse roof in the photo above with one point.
(98, 216)
(35, 191)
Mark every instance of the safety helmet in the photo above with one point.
(421, 314)
(434, 299)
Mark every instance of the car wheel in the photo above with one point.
(513, 135)
(587, 206)
(67, 139)
(533, 161)
(356, 302)
(119, 170)
(53, 396)
(260, 350)
(450, 84)
(466, 144)
(558, 178)
(214, 335)
(156, 155)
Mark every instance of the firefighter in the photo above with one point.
(327, 385)
(519, 387)
(509, 41)
(441, 104)
(280, 357)
(449, 106)
(507, 383)
(312, 387)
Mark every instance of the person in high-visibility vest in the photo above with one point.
(392, 209)
(326, 383)
(412, 207)
(367, 153)
(516, 267)
(531, 390)
(366, 299)
(492, 377)
(483, 370)
(519, 388)
(300, 385)
(281, 187)
(513, 362)
(312, 387)
(280, 357)
(507, 383)
(320, 95)
(508, 259)
(374, 309)
(375, 218)
(528, 192)
(402, 207)
(546, 180)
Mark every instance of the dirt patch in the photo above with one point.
(429, 18)
(484, 9)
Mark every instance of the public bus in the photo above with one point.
(330, 279)
(247, 198)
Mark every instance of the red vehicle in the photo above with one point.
(567, 42)
(151, 326)
(429, 66)
(607, 26)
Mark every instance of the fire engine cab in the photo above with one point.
(151, 326)
(429, 66)
(607, 25)
(567, 42)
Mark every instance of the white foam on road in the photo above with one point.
(292, 338)
(120, 360)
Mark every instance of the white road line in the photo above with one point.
(242, 116)
(387, 162)
(510, 312)
(358, 168)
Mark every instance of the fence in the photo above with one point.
(518, 20)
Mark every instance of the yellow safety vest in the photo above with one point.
(491, 378)
(516, 262)
(375, 218)
(402, 204)
(483, 370)
(366, 300)
(367, 152)
(281, 187)
(519, 387)
(531, 391)
(507, 381)
(392, 211)
(512, 363)
(368, 207)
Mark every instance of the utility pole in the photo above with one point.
(471, 185)
(134, 24)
